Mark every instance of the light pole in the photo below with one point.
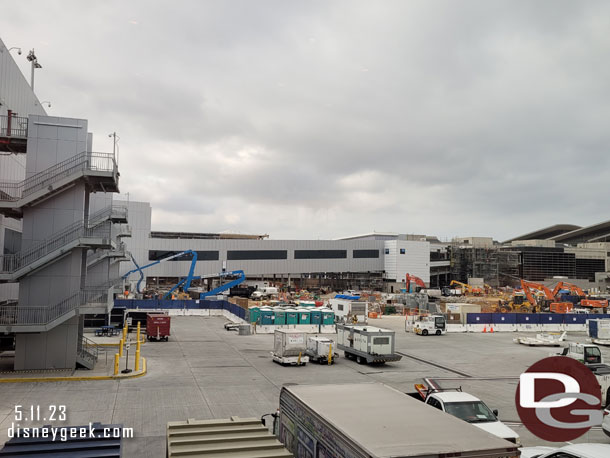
(47, 103)
(34, 60)
(115, 146)
(15, 47)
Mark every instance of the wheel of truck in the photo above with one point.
(438, 332)
(347, 355)
(424, 332)
(360, 360)
(524, 309)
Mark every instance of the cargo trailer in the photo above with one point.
(157, 326)
(319, 348)
(373, 420)
(367, 344)
(289, 347)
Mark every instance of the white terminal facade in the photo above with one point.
(381, 260)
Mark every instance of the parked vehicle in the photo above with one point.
(569, 451)
(606, 422)
(367, 344)
(289, 347)
(433, 324)
(158, 326)
(265, 292)
(373, 420)
(466, 407)
(319, 349)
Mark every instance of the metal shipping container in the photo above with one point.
(289, 342)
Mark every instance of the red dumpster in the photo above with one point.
(157, 326)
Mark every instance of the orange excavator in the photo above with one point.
(418, 281)
(548, 300)
(466, 288)
(584, 299)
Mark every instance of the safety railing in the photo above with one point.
(14, 262)
(40, 315)
(85, 161)
(88, 349)
(13, 126)
(110, 212)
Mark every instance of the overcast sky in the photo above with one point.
(323, 119)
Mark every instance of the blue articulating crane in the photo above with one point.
(233, 273)
(185, 282)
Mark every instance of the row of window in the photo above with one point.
(259, 255)
(402, 251)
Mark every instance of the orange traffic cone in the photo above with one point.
(491, 329)
(485, 328)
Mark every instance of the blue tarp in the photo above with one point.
(504, 318)
(478, 318)
(528, 318)
(575, 318)
(345, 296)
(551, 318)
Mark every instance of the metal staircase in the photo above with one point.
(98, 169)
(87, 352)
(42, 318)
(80, 234)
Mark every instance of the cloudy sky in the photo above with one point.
(323, 119)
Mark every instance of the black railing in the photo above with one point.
(13, 126)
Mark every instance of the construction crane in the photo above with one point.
(466, 288)
(214, 292)
(185, 283)
(584, 298)
(418, 281)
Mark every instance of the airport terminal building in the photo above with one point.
(365, 262)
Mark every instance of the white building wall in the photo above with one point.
(414, 261)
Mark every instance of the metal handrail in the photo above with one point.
(13, 262)
(117, 211)
(88, 349)
(103, 162)
(18, 126)
(34, 315)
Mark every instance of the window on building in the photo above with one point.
(155, 255)
(387, 251)
(256, 255)
(366, 254)
(403, 251)
(320, 254)
(340, 307)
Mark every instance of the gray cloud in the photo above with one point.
(323, 119)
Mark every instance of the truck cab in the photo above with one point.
(585, 353)
(472, 410)
(433, 324)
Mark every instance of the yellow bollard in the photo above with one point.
(138, 344)
(330, 354)
(116, 364)
(125, 332)
(137, 368)
(121, 348)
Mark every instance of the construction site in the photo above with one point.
(131, 327)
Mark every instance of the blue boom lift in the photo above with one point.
(185, 282)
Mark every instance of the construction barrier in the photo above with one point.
(526, 322)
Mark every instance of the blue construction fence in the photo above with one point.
(168, 304)
(533, 318)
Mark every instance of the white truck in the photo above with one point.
(432, 324)
(465, 407)
(289, 347)
(373, 420)
(367, 344)
(264, 292)
(591, 356)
